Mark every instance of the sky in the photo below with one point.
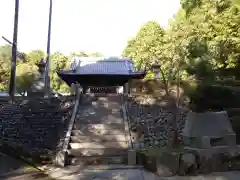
(82, 25)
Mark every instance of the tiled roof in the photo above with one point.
(91, 65)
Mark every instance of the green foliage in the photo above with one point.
(235, 121)
(237, 2)
(214, 97)
(202, 39)
(27, 71)
(85, 54)
(202, 42)
(160, 151)
(35, 56)
(26, 76)
(5, 59)
(145, 46)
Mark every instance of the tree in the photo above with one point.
(145, 45)
(5, 60)
(35, 56)
(202, 39)
(153, 45)
(211, 33)
(87, 54)
(58, 61)
(96, 54)
(237, 2)
(26, 75)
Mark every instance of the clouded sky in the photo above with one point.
(89, 25)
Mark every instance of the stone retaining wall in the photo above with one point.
(149, 123)
(36, 125)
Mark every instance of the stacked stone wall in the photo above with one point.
(36, 125)
(150, 122)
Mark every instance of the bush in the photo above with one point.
(214, 97)
(229, 82)
(235, 121)
(26, 76)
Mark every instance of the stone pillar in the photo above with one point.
(126, 88)
(129, 87)
(77, 87)
(73, 88)
(39, 86)
(132, 157)
(84, 89)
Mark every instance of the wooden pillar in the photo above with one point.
(14, 53)
(47, 73)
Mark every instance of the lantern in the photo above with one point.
(41, 66)
(156, 70)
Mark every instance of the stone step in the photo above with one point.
(102, 95)
(99, 127)
(99, 145)
(96, 152)
(108, 167)
(87, 132)
(233, 112)
(84, 162)
(82, 138)
(109, 119)
(25, 174)
(99, 114)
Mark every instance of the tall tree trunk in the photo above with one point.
(173, 141)
(165, 82)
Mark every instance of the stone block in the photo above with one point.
(212, 124)
(205, 130)
(188, 164)
(132, 157)
(205, 142)
(230, 139)
(167, 164)
(61, 158)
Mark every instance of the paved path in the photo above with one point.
(213, 176)
(73, 173)
(9, 164)
(131, 174)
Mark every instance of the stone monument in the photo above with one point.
(210, 136)
(39, 87)
(208, 130)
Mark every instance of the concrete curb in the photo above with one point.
(126, 125)
(62, 155)
(131, 151)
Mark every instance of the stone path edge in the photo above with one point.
(62, 155)
(126, 125)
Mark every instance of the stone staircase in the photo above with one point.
(98, 136)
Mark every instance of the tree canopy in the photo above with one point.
(27, 71)
(202, 41)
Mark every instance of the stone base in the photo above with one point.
(191, 161)
(61, 159)
(132, 157)
(163, 165)
(206, 142)
(217, 159)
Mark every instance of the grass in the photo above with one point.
(159, 151)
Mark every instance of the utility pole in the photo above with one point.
(14, 53)
(47, 72)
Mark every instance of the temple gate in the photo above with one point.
(109, 75)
